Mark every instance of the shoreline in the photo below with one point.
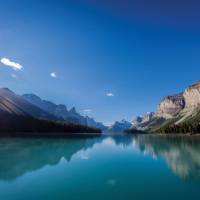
(48, 134)
(166, 134)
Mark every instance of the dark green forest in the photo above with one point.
(134, 131)
(24, 125)
(192, 128)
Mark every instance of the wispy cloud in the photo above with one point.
(53, 75)
(9, 63)
(109, 94)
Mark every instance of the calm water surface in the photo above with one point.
(139, 167)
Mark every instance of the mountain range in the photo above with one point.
(119, 126)
(175, 113)
(33, 106)
(14, 104)
(29, 113)
(60, 111)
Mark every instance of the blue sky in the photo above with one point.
(76, 52)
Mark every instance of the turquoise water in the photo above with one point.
(140, 167)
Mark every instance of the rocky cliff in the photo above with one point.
(170, 106)
(141, 121)
(192, 96)
(174, 110)
(119, 126)
(137, 121)
(148, 116)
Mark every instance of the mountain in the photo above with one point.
(60, 111)
(14, 104)
(119, 126)
(137, 121)
(142, 119)
(147, 117)
(170, 106)
(141, 122)
(92, 123)
(75, 117)
(176, 113)
(56, 110)
(20, 117)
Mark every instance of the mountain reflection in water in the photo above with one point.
(19, 156)
(182, 153)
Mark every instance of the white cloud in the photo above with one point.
(53, 75)
(9, 63)
(87, 111)
(109, 94)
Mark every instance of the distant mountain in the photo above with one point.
(19, 116)
(119, 126)
(76, 117)
(92, 123)
(14, 104)
(60, 110)
(138, 121)
(175, 113)
(57, 110)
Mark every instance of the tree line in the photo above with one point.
(185, 127)
(16, 123)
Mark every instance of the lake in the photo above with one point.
(120, 167)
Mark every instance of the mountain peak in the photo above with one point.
(195, 85)
(7, 90)
(120, 126)
(31, 96)
(72, 110)
(170, 106)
